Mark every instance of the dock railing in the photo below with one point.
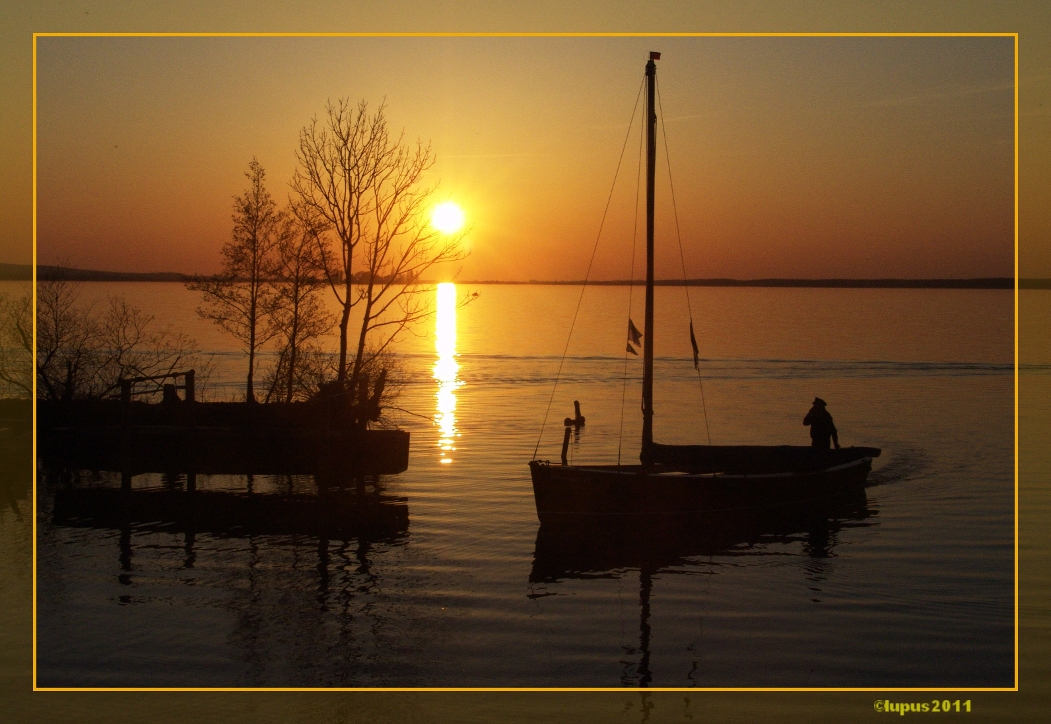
(127, 384)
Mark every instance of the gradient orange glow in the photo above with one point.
(790, 157)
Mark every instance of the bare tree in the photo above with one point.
(16, 345)
(298, 316)
(315, 368)
(240, 297)
(83, 355)
(338, 161)
(399, 248)
(66, 334)
(366, 186)
(131, 346)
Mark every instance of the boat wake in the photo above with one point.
(903, 466)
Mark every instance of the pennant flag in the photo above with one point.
(632, 350)
(634, 335)
(696, 356)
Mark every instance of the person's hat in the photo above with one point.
(819, 401)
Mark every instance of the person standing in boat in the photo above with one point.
(822, 429)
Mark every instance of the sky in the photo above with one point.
(790, 157)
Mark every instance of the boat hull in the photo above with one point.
(570, 490)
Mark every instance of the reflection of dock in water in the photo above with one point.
(330, 514)
(297, 562)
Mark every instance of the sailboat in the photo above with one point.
(688, 479)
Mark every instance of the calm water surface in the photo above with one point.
(910, 586)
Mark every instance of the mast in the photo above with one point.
(651, 158)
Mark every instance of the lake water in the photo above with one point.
(911, 586)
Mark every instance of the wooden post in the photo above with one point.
(170, 396)
(190, 391)
(565, 446)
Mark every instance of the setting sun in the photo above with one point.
(447, 217)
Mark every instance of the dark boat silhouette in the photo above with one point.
(688, 479)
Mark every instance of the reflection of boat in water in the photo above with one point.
(688, 478)
(332, 514)
(592, 547)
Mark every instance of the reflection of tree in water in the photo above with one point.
(252, 617)
(607, 548)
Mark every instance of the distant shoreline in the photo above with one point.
(981, 283)
(23, 272)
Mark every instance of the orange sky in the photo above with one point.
(791, 157)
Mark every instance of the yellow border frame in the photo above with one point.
(536, 35)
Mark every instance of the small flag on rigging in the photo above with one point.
(632, 350)
(696, 355)
(634, 335)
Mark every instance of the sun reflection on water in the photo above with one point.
(446, 370)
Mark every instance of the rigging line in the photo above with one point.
(587, 274)
(682, 258)
(631, 285)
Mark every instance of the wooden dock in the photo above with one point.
(325, 436)
(227, 450)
